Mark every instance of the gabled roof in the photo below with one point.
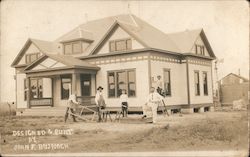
(96, 32)
(241, 77)
(43, 46)
(69, 61)
(144, 33)
(186, 40)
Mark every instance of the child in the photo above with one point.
(124, 103)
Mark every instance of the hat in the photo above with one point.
(100, 87)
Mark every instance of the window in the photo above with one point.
(65, 87)
(205, 89)
(31, 57)
(36, 86)
(72, 48)
(197, 83)
(25, 89)
(131, 83)
(120, 45)
(67, 49)
(167, 85)
(200, 49)
(111, 84)
(77, 47)
(119, 80)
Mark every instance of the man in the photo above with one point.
(100, 102)
(71, 105)
(153, 101)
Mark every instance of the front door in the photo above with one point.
(85, 84)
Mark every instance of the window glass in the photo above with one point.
(68, 49)
(129, 44)
(40, 88)
(197, 83)
(111, 84)
(36, 86)
(77, 47)
(121, 82)
(112, 46)
(120, 45)
(25, 89)
(205, 83)
(65, 87)
(167, 85)
(131, 83)
(29, 58)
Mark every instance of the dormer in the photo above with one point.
(75, 46)
(76, 42)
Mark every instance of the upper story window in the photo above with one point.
(200, 49)
(120, 45)
(72, 48)
(31, 57)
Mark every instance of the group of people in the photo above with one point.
(155, 98)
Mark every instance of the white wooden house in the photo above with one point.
(119, 52)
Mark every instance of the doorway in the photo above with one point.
(85, 84)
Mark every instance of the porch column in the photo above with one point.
(74, 87)
(28, 92)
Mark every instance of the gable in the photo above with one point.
(47, 64)
(200, 42)
(119, 34)
(30, 49)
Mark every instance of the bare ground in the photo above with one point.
(200, 131)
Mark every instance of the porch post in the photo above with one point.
(74, 90)
(28, 92)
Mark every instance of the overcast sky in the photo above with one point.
(226, 24)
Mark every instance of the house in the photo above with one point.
(119, 52)
(232, 88)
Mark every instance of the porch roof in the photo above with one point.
(68, 64)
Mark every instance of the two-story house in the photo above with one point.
(119, 52)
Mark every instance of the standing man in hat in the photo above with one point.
(100, 102)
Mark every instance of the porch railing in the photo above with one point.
(41, 102)
(86, 100)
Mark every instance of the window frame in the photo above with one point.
(28, 57)
(198, 93)
(37, 88)
(72, 47)
(199, 49)
(76, 42)
(205, 92)
(25, 89)
(116, 82)
(169, 71)
(65, 77)
(119, 40)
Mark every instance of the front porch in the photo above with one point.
(52, 79)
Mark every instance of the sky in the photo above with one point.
(226, 25)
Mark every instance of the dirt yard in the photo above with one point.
(199, 131)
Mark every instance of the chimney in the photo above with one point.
(239, 71)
